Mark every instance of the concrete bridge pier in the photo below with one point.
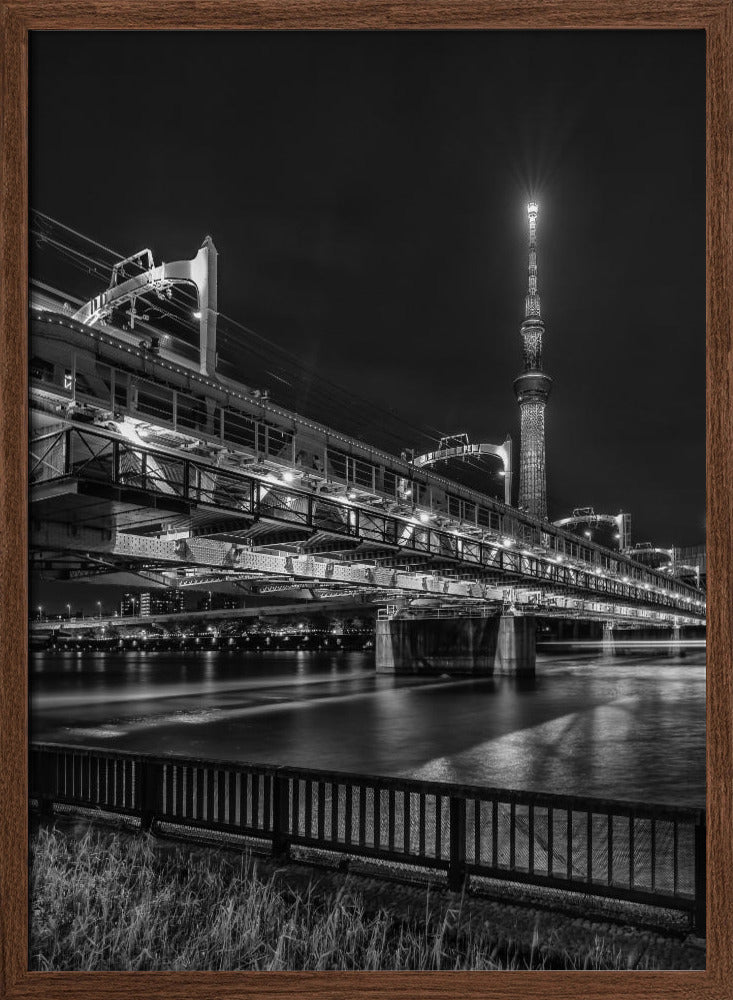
(675, 646)
(516, 652)
(461, 646)
(608, 644)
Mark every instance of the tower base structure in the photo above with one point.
(481, 647)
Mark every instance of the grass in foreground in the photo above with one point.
(108, 900)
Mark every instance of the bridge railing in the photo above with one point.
(650, 854)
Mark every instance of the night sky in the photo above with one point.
(367, 194)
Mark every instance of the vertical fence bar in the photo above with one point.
(457, 841)
(243, 795)
(119, 782)
(172, 774)
(188, 800)
(438, 825)
(700, 912)
(362, 815)
(348, 812)
(495, 833)
(221, 797)
(308, 808)
(321, 795)
(76, 772)
(377, 800)
(104, 781)
(631, 851)
(421, 831)
(150, 792)
(255, 813)
(295, 821)
(200, 774)
(530, 835)
(45, 770)
(335, 802)
(280, 815)
(477, 831)
(391, 820)
(512, 835)
(267, 803)
(210, 776)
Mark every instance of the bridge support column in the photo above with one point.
(516, 647)
(675, 646)
(474, 646)
(608, 645)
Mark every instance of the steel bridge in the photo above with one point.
(143, 463)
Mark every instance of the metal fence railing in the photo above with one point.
(650, 854)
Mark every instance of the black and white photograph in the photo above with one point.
(367, 532)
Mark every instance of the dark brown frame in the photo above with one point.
(18, 17)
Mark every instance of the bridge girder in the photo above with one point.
(212, 554)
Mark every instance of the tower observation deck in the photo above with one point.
(532, 389)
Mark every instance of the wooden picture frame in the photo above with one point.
(19, 17)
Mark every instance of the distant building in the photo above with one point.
(129, 606)
(152, 602)
(212, 601)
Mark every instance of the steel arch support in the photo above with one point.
(500, 451)
(200, 271)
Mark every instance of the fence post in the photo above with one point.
(699, 917)
(457, 841)
(40, 785)
(150, 792)
(280, 817)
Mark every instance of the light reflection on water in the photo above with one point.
(625, 728)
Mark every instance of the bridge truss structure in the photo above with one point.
(146, 466)
(103, 504)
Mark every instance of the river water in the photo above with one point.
(625, 728)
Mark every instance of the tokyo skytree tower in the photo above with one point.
(532, 389)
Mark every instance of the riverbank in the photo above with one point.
(107, 899)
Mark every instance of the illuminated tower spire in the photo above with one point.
(532, 389)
